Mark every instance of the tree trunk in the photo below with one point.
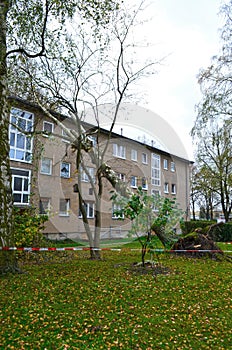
(143, 253)
(193, 210)
(8, 261)
(97, 231)
(85, 221)
(166, 239)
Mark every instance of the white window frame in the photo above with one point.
(122, 177)
(166, 187)
(173, 189)
(42, 210)
(165, 164)
(64, 134)
(116, 207)
(84, 176)
(133, 181)
(46, 132)
(173, 167)
(119, 151)
(144, 158)
(63, 165)
(25, 176)
(21, 145)
(49, 165)
(134, 155)
(65, 212)
(155, 169)
(144, 183)
(93, 139)
(90, 210)
(155, 193)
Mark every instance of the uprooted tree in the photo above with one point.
(21, 42)
(151, 216)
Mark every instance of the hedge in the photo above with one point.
(220, 233)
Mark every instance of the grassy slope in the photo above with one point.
(83, 304)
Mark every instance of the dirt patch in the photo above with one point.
(153, 269)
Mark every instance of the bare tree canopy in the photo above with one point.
(28, 30)
(70, 57)
(216, 80)
(212, 129)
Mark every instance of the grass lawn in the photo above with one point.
(84, 304)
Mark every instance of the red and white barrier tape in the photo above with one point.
(51, 249)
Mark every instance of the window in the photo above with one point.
(144, 158)
(134, 181)
(144, 183)
(117, 212)
(121, 177)
(156, 194)
(134, 155)
(48, 127)
(166, 189)
(46, 166)
(64, 134)
(84, 175)
(155, 169)
(20, 186)
(119, 151)
(20, 144)
(65, 170)
(173, 167)
(165, 164)
(44, 205)
(93, 139)
(173, 189)
(64, 207)
(89, 209)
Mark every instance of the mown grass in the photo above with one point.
(84, 304)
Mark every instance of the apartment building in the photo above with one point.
(43, 166)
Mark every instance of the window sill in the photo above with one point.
(119, 156)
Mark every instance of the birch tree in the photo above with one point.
(214, 159)
(26, 33)
(94, 72)
(215, 80)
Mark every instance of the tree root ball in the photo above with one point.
(197, 241)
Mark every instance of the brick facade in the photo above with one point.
(52, 174)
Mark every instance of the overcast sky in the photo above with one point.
(188, 32)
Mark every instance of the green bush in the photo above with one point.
(28, 227)
(190, 226)
(220, 233)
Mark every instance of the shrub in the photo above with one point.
(220, 233)
(190, 226)
(28, 227)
